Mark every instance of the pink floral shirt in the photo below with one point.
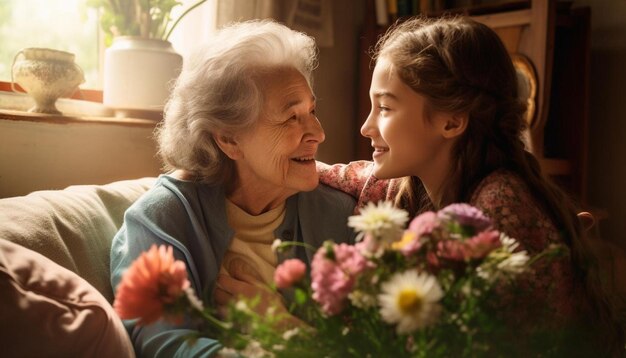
(503, 197)
(356, 179)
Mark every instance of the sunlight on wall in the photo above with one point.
(196, 27)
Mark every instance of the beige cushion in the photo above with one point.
(72, 227)
(48, 311)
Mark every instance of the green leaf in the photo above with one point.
(300, 296)
(147, 18)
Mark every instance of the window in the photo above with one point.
(72, 26)
(67, 25)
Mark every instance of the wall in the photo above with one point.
(37, 156)
(607, 115)
(336, 84)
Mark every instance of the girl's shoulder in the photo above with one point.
(501, 185)
(506, 198)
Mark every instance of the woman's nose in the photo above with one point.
(315, 132)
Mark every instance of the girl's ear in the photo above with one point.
(455, 125)
(228, 145)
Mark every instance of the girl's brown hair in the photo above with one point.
(462, 66)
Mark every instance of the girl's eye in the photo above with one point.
(313, 112)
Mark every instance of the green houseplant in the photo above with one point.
(144, 18)
(139, 63)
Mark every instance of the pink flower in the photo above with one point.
(476, 247)
(482, 244)
(424, 224)
(411, 242)
(153, 281)
(289, 272)
(350, 259)
(333, 273)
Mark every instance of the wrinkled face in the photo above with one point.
(277, 155)
(405, 142)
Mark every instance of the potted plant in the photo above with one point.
(139, 62)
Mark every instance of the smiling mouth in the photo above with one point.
(303, 159)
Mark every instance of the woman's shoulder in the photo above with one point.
(170, 195)
(506, 198)
(327, 199)
(323, 215)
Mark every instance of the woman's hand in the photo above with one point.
(240, 284)
(229, 289)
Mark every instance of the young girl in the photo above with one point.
(447, 120)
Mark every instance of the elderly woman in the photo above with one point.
(240, 135)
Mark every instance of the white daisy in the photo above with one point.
(383, 221)
(242, 306)
(508, 244)
(276, 245)
(227, 352)
(410, 299)
(290, 333)
(504, 262)
(194, 301)
(255, 350)
(514, 264)
(362, 299)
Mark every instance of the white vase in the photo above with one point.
(46, 74)
(138, 74)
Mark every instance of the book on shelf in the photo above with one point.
(388, 11)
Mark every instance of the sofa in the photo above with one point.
(55, 293)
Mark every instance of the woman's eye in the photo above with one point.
(313, 112)
(383, 108)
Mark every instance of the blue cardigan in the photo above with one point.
(191, 217)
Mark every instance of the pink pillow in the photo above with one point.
(47, 310)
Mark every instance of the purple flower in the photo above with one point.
(466, 215)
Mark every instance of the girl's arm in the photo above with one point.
(357, 179)
(349, 178)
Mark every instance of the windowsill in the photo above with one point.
(92, 95)
(13, 115)
(14, 106)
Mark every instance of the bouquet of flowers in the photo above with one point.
(427, 290)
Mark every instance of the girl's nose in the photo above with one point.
(367, 128)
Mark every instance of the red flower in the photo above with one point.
(154, 281)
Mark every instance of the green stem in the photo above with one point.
(167, 36)
(296, 243)
(214, 321)
(551, 251)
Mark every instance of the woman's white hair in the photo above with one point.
(217, 92)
